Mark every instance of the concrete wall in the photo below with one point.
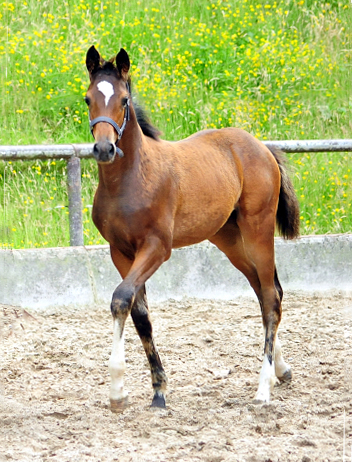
(82, 276)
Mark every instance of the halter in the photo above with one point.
(119, 130)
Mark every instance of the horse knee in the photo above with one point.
(122, 301)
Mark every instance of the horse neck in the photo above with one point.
(110, 175)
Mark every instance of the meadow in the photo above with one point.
(278, 69)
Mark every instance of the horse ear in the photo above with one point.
(92, 60)
(123, 63)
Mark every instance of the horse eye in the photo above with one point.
(87, 100)
(124, 101)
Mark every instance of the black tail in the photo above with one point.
(287, 215)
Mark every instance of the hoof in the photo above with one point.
(287, 377)
(261, 398)
(158, 401)
(118, 405)
(258, 401)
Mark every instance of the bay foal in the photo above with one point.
(155, 195)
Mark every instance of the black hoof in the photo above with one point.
(158, 400)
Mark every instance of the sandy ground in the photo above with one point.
(54, 385)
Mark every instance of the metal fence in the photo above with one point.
(74, 152)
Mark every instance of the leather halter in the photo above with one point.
(119, 130)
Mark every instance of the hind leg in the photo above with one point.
(253, 254)
(141, 319)
(258, 236)
(282, 369)
(229, 240)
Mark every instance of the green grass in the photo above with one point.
(280, 70)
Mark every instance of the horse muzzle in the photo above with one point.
(104, 152)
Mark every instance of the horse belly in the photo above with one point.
(204, 212)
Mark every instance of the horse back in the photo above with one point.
(218, 171)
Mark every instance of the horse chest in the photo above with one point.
(120, 220)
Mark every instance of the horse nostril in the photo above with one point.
(112, 150)
(96, 150)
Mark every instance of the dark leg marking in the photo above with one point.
(141, 319)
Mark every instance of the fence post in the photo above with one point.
(74, 200)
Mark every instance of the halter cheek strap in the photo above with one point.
(107, 120)
(119, 130)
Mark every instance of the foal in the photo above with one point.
(155, 195)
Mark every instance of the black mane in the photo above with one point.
(147, 128)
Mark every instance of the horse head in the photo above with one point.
(108, 100)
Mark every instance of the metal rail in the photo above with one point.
(38, 151)
(85, 150)
(74, 152)
(313, 145)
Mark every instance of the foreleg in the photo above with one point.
(141, 319)
(127, 297)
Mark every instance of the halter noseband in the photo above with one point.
(119, 130)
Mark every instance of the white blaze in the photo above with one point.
(106, 89)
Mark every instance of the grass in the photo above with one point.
(280, 70)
